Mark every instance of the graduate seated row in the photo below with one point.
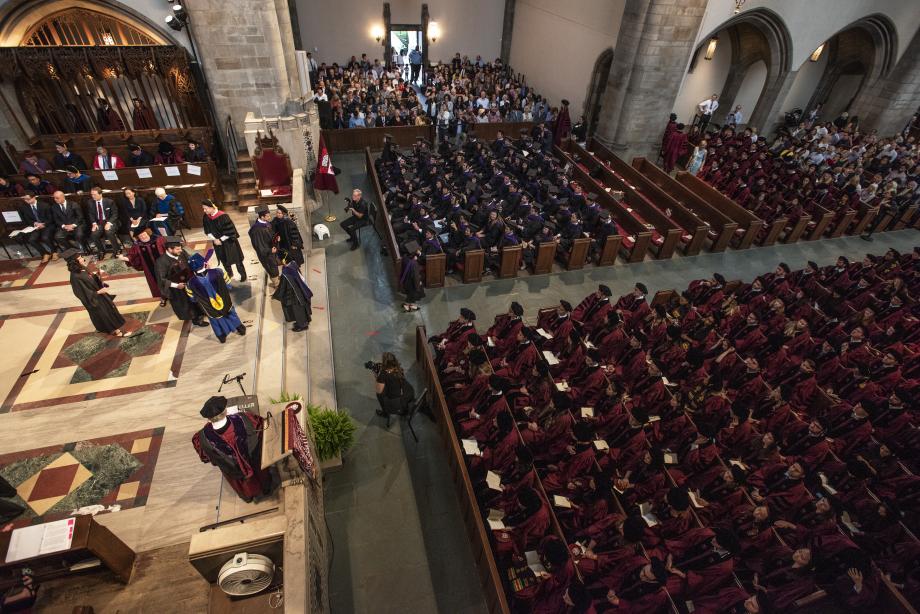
(489, 196)
(743, 450)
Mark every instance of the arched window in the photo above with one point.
(85, 28)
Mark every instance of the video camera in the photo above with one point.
(370, 365)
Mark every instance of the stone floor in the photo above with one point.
(399, 543)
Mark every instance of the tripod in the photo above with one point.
(414, 408)
(237, 378)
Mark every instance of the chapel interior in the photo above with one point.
(460, 306)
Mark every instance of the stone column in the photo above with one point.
(653, 48)
(247, 54)
(889, 103)
(507, 30)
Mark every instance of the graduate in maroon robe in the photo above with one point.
(563, 126)
(142, 116)
(234, 444)
(142, 256)
(675, 148)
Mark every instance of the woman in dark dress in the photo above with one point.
(138, 212)
(411, 277)
(93, 293)
(294, 296)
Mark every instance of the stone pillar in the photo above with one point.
(507, 30)
(247, 54)
(889, 103)
(653, 49)
(768, 113)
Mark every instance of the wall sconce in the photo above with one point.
(816, 54)
(711, 48)
(434, 31)
(377, 32)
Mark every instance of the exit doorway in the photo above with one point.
(403, 41)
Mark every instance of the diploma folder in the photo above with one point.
(645, 509)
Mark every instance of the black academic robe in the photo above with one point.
(294, 295)
(171, 270)
(101, 307)
(229, 251)
(263, 240)
(411, 280)
(290, 243)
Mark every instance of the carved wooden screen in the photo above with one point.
(82, 27)
(59, 88)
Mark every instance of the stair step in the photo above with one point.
(247, 172)
(245, 181)
(247, 192)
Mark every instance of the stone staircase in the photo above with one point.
(246, 190)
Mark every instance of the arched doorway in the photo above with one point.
(755, 40)
(65, 57)
(596, 88)
(857, 56)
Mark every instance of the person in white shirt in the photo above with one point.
(706, 109)
(735, 118)
(320, 96)
(483, 101)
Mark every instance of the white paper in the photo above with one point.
(232, 409)
(738, 463)
(265, 192)
(58, 536)
(600, 444)
(647, 515)
(211, 237)
(589, 345)
(110, 175)
(654, 419)
(193, 169)
(490, 342)
(560, 501)
(471, 447)
(562, 386)
(550, 358)
(696, 502)
(144, 173)
(28, 229)
(14, 234)
(495, 519)
(587, 412)
(39, 539)
(172, 171)
(667, 382)
(544, 334)
(11, 217)
(494, 480)
(534, 562)
(670, 458)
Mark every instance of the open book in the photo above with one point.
(495, 518)
(493, 480)
(550, 358)
(645, 509)
(471, 447)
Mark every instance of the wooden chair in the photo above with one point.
(273, 169)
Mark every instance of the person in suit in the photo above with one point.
(37, 215)
(103, 218)
(68, 222)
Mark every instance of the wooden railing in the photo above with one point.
(356, 139)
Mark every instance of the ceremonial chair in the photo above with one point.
(273, 170)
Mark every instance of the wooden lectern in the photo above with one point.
(90, 540)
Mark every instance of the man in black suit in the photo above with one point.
(37, 215)
(68, 222)
(103, 219)
(357, 219)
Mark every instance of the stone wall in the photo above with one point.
(889, 105)
(652, 53)
(247, 51)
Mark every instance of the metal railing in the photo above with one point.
(233, 147)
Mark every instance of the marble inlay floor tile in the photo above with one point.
(51, 482)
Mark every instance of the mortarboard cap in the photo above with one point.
(282, 209)
(605, 290)
(173, 241)
(516, 309)
(468, 315)
(566, 305)
(411, 247)
(73, 169)
(642, 287)
(70, 254)
(214, 407)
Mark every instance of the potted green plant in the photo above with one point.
(334, 433)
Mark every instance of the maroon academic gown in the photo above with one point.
(675, 147)
(143, 257)
(237, 450)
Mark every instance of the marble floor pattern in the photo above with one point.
(106, 392)
(398, 539)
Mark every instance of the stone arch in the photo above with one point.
(755, 35)
(19, 17)
(596, 87)
(865, 49)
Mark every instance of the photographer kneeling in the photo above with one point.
(394, 392)
(357, 209)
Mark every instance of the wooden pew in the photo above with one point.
(489, 576)
(356, 139)
(865, 215)
(906, 217)
(510, 262)
(841, 227)
(609, 251)
(793, 234)
(578, 255)
(636, 204)
(382, 223)
(488, 132)
(721, 227)
(637, 243)
(749, 225)
(474, 261)
(694, 230)
(821, 224)
(435, 268)
(546, 255)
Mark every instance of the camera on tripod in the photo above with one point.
(370, 365)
